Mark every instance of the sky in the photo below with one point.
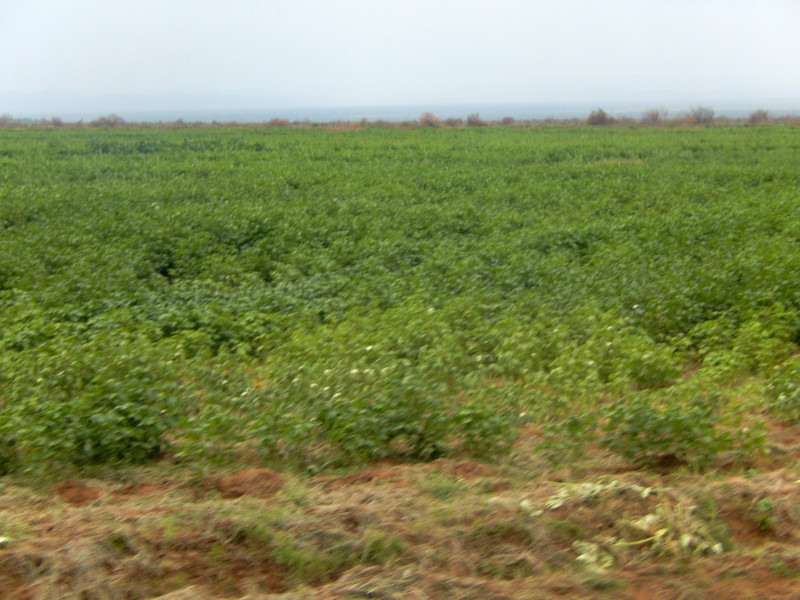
(393, 52)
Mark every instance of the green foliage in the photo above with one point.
(567, 439)
(615, 355)
(488, 271)
(401, 421)
(757, 342)
(314, 559)
(484, 427)
(398, 418)
(307, 564)
(765, 515)
(103, 401)
(685, 426)
(9, 460)
(783, 390)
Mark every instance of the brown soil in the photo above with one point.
(254, 482)
(76, 492)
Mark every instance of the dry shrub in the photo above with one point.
(111, 120)
(428, 119)
(474, 120)
(654, 116)
(701, 114)
(599, 117)
(276, 122)
(759, 116)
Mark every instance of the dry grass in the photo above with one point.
(448, 529)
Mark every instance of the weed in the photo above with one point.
(598, 582)
(783, 390)
(380, 548)
(120, 543)
(564, 531)
(783, 569)
(718, 530)
(765, 515)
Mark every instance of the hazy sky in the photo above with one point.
(360, 52)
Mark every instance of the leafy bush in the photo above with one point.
(403, 420)
(681, 425)
(749, 347)
(9, 460)
(567, 438)
(783, 390)
(615, 355)
(646, 429)
(399, 418)
(88, 403)
(484, 429)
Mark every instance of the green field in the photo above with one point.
(477, 362)
(326, 298)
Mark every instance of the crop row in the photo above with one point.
(341, 296)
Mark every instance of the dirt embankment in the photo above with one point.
(448, 529)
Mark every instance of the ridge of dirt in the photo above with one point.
(447, 529)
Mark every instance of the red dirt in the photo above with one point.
(463, 469)
(130, 490)
(77, 493)
(263, 483)
(392, 475)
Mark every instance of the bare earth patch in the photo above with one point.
(254, 482)
(76, 492)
